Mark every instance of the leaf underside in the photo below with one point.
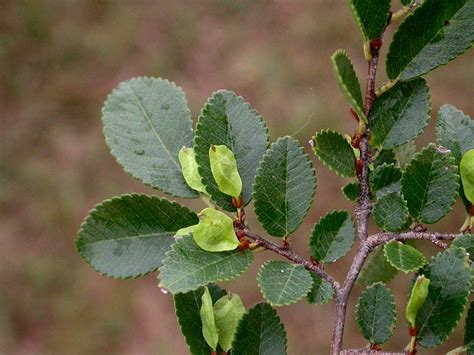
(146, 122)
(335, 152)
(128, 236)
(260, 333)
(282, 283)
(403, 257)
(430, 185)
(436, 33)
(187, 267)
(284, 187)
(228, 120)
(376, 313)
(447, 296)
(390, 213)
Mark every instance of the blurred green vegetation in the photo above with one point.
(58, 61)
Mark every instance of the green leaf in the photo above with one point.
(377, 269)
(215, 231)
(348, 82)
(437, 32)
(405, 153)
(282, 283)
(376, 313)
(465, 241)
(335, 152)
(386, 179)
(228, 120)
(332, 237)
(406, 2)
(188, 306)
(351, 191)
(447, 296)
(371, 16)
(228, 312)
(386, 156)
(146, 122)
(418, 295)
(391, 213)
(403, 257)
(185, 231)
(209, 330)
(187, 158)
(321, 291)
(400, 114)
(430, 185)
(128, 236)
(224, 170)
(455, 131)
(187, 267)
(260, 333)
(469, 328)
(467, 174)
(284, 187)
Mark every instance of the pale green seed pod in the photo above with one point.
(224, 170)
(418, 296)
(467, 174)
(209, 330)
(228, 310)
(189, 166)
(215, 231)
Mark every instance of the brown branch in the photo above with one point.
(435, 238)
(290, 255)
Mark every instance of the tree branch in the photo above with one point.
(290, 255)
(385, 237)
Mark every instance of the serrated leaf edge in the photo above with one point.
(110, 200)
(321, 160)
(261, 290)
(199, 124)
(355, 105)
(392, 303)
(256, 205)
(112, 151)
(406, 271)
(453, 165)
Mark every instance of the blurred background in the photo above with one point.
(58, 61)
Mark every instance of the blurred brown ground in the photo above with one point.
(58, 61)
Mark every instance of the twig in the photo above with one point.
(435, 238)
(290, 255)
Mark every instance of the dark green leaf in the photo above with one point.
(332, 237)
(129, 235)
(187, 267)
(400, 114)
(376, 313)
(403, 257)
(455, 131)
(376, 269)
(386, 156)
(284, 187)
(371, 16)
(282, 283)
(347, 80)
(469, 329)
(386, 179)
(436, 33)
(260, 333)
(351, 191)
(187, 306)
(228, 120)
(335, 152)
(406, 2)
(146, 123)
(447, 296)
(430, 185)
(321, 291)
(391, 213)
(465, 241)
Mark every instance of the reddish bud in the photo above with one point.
(359, 166)
(240, 234)
(376, 43)
(355, 141)
(237, 203)
(375, 347)
(354, 114)
(412, 332)
(244, 244)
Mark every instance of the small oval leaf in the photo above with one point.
(215, 231)
(403, 257)
(467, 174)
(228, 311)
(418, 295)
(209, 330)
(224, 170)
(187, 158)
